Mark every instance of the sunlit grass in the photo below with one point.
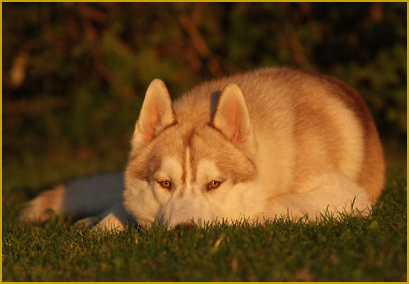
(350, 249)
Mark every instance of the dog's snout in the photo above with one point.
(184, 212)
(184, 226)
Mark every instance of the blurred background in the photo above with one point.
(75, 74)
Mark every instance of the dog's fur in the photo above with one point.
(256, 145)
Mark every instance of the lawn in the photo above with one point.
(74, 78)
(352, 249)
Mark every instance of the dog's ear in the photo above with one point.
(232, 117)
(155, 115)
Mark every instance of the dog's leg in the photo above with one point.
(113, 219)
(84, 196)
(327, 194)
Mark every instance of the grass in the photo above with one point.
(42, 148)
(352, 249)
(68, 119)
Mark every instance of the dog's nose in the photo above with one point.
(184, 226)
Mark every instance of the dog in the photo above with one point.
(274, 142)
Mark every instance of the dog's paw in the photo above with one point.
(87, 222)
(44, 206)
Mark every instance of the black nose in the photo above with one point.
(183, 226)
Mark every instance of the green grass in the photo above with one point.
(353, 249)
(67, 119)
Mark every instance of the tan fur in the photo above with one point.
(372, 176)
(256, 145)
(37, 210)
(288, 107)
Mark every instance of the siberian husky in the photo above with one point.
(255, 146)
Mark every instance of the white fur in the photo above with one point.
(281, 142)
(228, 202)
(329, 194)
(351, 131)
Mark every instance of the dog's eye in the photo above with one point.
(165, 184)
(214, 184)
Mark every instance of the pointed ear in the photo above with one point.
(232, 117)
(155, 115)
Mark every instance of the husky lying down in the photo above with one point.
(257, 145)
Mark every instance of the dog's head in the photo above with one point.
(179, 171)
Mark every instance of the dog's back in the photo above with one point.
(306, 125)
(259, 144)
